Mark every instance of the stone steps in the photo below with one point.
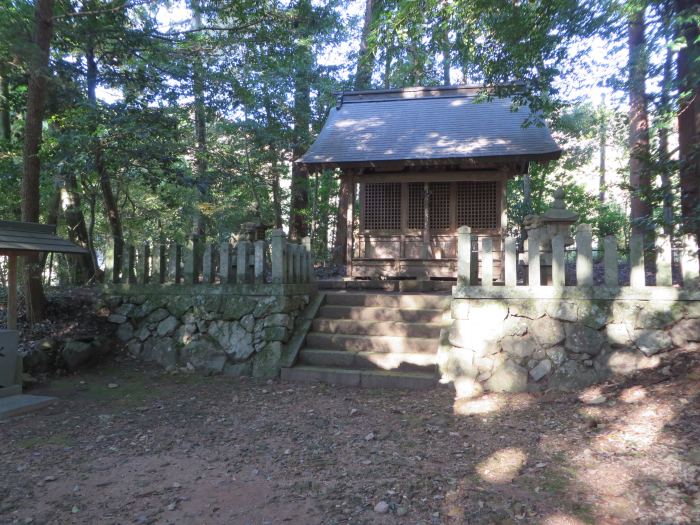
(394, 328)
(417, 362)
(372, 343)
(375, 313)
(361, 378)
(374, 340)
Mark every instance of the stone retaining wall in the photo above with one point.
(230, 329)
(518, 339)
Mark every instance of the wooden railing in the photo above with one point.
(278, 261)
(687, 248)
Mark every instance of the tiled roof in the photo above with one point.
(426, 124)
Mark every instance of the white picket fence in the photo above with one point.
(583, 239)
(278, 261)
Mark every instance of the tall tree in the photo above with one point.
(31, 197)
(688, 71)
(365, 58)
(640, 174)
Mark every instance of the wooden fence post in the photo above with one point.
(664, 257)
(162, 263)
(175, 263)
(487, 262)
(464, 255)
(610, 266)
(689, 261)
(584, 255)
(558, 261)
(130, 259)
(533, 259)
(278, 256)
(259, 265)
(511, 262)
(637, 273)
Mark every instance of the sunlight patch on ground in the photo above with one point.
(393, 361)
(637, 431)
(502, 466)
(562, 519)
(634, 394)
(482, 405)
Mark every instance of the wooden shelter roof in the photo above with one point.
(427, 126)
(22, 238)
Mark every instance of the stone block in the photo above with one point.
(562, 310)
(651, 342)
(481, 338)
(571, 376)
(547, 331)
(515, 326)
(178, 305)
(487, 310)
(167, 326)
(233, 339)
(581, 339)
(457, 363)
(519, 348)
(685, 331)
(625, 312)
(509, 377)
(156, 316)
(76, 353)
(205, 355)
(266, 363)
(238, 369)
(460, 309)
(657, 315)
(284, 320)
(541, 369)
(134, 348)
(557, 355)
(467, 388)
(125, 332)
(593, 315)
(528, 308)
(116, 319)
(618, 335)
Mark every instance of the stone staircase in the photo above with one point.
(374, 340)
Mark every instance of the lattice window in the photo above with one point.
(477, 204)
(416, 218)
(439, 205)
(382, 206)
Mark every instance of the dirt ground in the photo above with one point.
(130, 444)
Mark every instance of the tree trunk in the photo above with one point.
(664, 157)
(77, 229)
(298, 227)
(201, 164)
(5, 117)
(365, 59)
(602, 145)
(446, 58)
(689, 120)
(341, 225)
(36, 97)
(640, 180)
(111, 207)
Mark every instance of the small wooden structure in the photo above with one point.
(423, 161)
(27, 238)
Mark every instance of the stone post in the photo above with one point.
(558, 261)
(533, 258)
(487, 262)
(464, 255)
(242, 249)
(584, 255)
(259, 265)
(610, 261)
(637, 274)
(208, 264)
(145, 263)
(689, 261)
(278, 242)
(175, 263)
(510, 261)
(190, 255)
(663, 260)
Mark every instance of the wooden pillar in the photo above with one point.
(341, 241)
(426, 220)
(349, 235)
(12, 292)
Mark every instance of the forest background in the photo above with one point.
(143, 120)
